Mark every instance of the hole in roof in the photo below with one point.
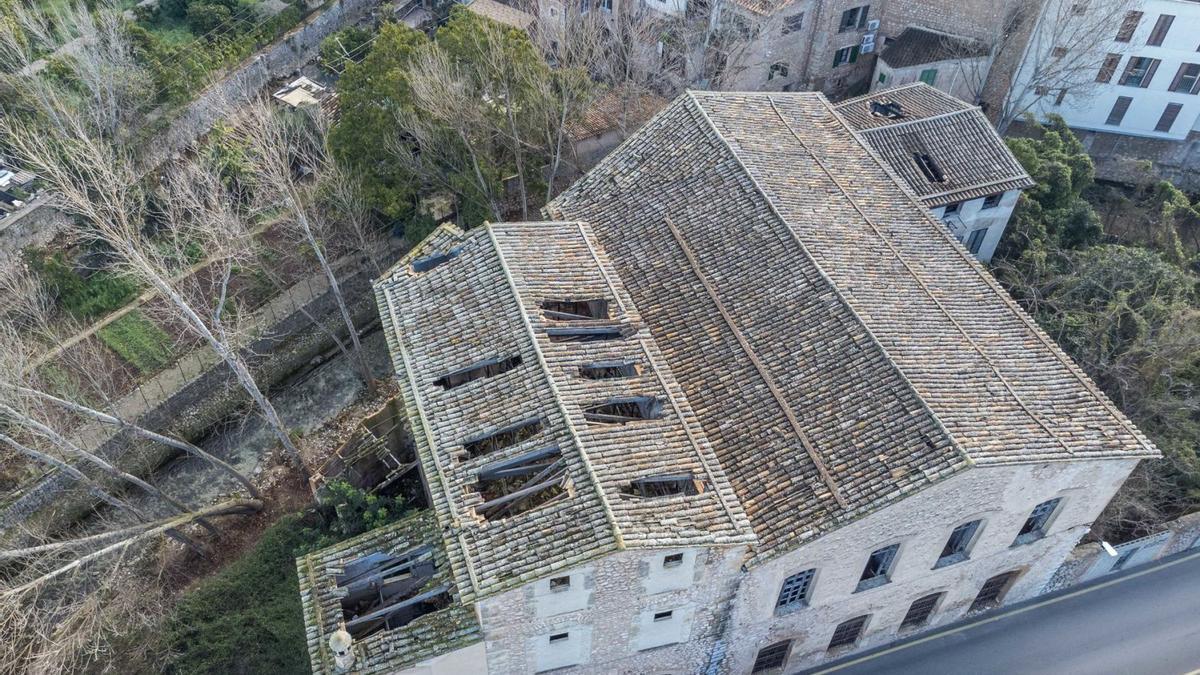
(576, 310)
(585, 334)
(522, 483)
(386, 591)
(933, 173)
(624, 409)
(504, 437)
(431, 261)
(610, 370)
(653, 487)
(478, 371)
(889, 109)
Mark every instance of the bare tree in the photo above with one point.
(289, 157)
(1066, 50)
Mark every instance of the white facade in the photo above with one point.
(979, 223)
(1146, 102)
(962, 78)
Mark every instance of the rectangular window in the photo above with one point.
(1118, 111)
(771, 659)
(992, 201)
(951, 209)
(478, 371)
(919, 612)
(673, 560)
(1187, 80)
(992, 593)
(1168, 117)
(878, 569)
(780, 69)
(975, 240)
(1035, 525)
(1160, 30)
(575, 310)
(793, 23)
(559, 637)
(558, 584)
(1058, 98)
(845, 55)
(1128, 26)
(958, 546)
(1139, 72)
(853, 19)
(795, 590)
(929, 76)
(1108, 68)
(848, 632)
(663, 616)
(624, 409)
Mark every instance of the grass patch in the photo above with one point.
(247, 618)
(139, 341)
(100, 293)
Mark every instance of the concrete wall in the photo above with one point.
(608, 614)
(971, 216)
(1089, 107)
(1001, 496)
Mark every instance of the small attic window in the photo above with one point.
(889, 109)
(654, 487)
(584, 334)
(522, 483)
(576, 310)
(504, 437)
(610, 370)
(933, 173)
(478, 371)
(624, 409)
(431, 261)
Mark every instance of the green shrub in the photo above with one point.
(346, 511)
(247, 618)
(139, 341)
(83, 298)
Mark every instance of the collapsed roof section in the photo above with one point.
(943, 149)
(841, 349)
(392, 590)
(537, 396)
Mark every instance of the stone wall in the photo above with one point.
(1133, 159)
(1089, 561)
(35, 225)
(1002, 497)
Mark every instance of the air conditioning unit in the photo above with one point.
(873, 25)
(867, 48)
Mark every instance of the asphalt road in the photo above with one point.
(1143, 621)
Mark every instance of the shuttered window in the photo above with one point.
(1139, 72)
(1187, 79)
(1160, 30)
(1108, 68)
(1168, 117)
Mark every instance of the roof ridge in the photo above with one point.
(558, 401)
(911, 85)
(916, 120)
(1017, 311)
(918, 278)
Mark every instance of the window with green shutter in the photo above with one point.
(929, 75)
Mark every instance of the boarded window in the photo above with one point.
(386, 591)
(919, 612)
(502, 438)
(478, 371)
(584, 334)
(610, 370)
(771, 659)
(431, 261)
(1128, 26)
(1160, 30)
(929, 168)
(525, 482)
(1108, 68)
(664, 486)
(624, 409)
(848, 632)
(576, 310)
(1168, 117)
(1118, 111)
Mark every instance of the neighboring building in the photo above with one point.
(610, 119)
(502, 13)
(17, 189)
(1142, 98)
(303, 92)
(743, 406)
(956, 65)
(948, 154)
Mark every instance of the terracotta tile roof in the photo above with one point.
(963, 147)
(818, 317)
(919, 46)
(498, 11)
(604, 114)
(486, 303)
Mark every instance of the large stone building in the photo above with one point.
(742, 406)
